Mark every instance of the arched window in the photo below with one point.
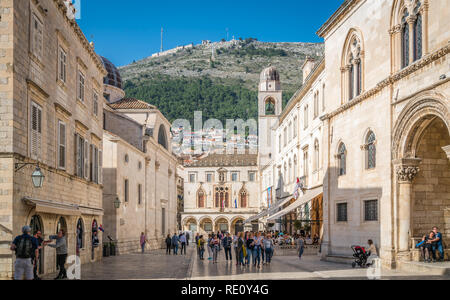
(316, 156)
(217, 200)
(371, 151)
(162, 137)
(405, 39)
(243, 198)
(417, 29)
(270, 107)
(80, 235)
(352, 66)
(201, 198)
(342, 159)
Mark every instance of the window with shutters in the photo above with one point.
(81, 86)
(62, 142)
(36, 131)
(62, 65)
(37, 34)
(81, 154)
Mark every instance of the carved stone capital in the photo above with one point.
(407, 169)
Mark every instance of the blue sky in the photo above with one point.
(124, 31)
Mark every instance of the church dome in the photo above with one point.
(113, 78)
(270, 73)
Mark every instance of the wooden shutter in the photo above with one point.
(100, 166)
(61, 145)
(86, 160)
(36, 131)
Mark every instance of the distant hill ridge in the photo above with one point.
(229, 70)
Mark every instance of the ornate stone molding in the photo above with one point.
(426, 60)
(407, 169)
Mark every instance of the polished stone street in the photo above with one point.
(156, 265)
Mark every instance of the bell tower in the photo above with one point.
(270, 99)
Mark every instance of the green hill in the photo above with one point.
(220, 79)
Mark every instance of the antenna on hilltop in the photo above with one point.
(162, 37)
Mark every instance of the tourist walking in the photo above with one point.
(241, 249)
(36, 258)
(183, 243)
(250, 245)
(24, 246)
(197, 237)
(215, 244)
(143, 241)
(268, 248)
(235, 247)
(175, 241)
(257, 250)
(168, 244)
(201, 247)
(300, 246)
(188, 236)
(210, 252)
(227, 243)
(61, 252)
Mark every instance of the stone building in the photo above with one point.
(140, 189)
(297, 156)
(51, 84)
(220, 193)
(386, 127)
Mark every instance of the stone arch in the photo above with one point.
(219, 223)
(203, 220)
(237, 224)
(187, 221)
(352, 65)
(269, 106)
(414, 118)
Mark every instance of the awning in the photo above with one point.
(308, 196)
(50, 207)
(269, 211)
(257, 217)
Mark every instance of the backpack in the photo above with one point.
(24, 247)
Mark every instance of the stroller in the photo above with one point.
(360, 255)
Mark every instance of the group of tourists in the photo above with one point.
(28, 248)
(431, 244)
(176, 242)
(249, 248)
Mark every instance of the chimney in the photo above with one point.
(307, 67)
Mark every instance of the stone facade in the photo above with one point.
(35, 99)
(140, 172)
(402, 99)
(234, 176)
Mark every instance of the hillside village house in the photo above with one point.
(51, 84)
(140, 189)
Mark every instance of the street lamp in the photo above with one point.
(37, 177)
(117, 203)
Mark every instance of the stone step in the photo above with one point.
(341, 259)
(437, 269)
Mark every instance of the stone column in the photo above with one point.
(355, 63)
(447, 151)
(406, 170)
(411, 20)
(425, 28)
